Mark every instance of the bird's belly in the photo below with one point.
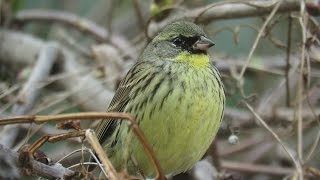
(180, 129)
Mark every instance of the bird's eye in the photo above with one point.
(178, 42)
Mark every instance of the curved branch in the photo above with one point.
(245, 9)
(82, 24)
(66, 18)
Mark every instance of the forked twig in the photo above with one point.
(43, 170)
(38, 119)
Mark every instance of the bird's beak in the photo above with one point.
(203, 44)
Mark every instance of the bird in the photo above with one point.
(177, 98)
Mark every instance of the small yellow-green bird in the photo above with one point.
(177, 98)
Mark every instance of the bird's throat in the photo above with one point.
(195, 60)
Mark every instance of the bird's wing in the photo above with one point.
(119, 102)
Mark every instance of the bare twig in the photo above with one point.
(288, 53)
(110, 10)
(70, 19)
(9, 91)
(39, 119)
(300, 87)
(313, 148)
(261, 32)
(265, 125)
(280, 114)
(48, 55)
(107, 165)
(246, 9)
(137, 8)
(234, 10)
(256, 168)
(269, 101)
(80, 23)
(40, 169)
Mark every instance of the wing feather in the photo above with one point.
(120, 101)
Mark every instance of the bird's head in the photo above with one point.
(181, 41)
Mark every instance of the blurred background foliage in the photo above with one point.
(234, 39)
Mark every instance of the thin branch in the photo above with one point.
(256, 168)
(110, 12)
(28, 95)
(69, 19)
(139, 13)
(280, 114)
(82, 24)
(9, 91)
(271, 100)
(233, 10)
(244, 9)
(313, 148)
(40, 169)
(288, 53)
(40, 119)
(265, 125)
(261, 32)
(108, 167)
(300, 87)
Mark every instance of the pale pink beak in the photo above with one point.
(203, 44)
